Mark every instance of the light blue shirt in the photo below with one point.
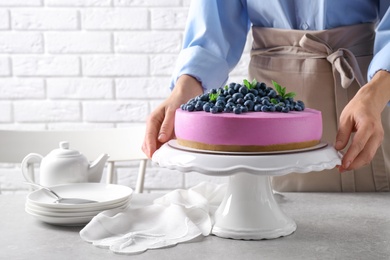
(216, 30)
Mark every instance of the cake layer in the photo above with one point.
(251, 131)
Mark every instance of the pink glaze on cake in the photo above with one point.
(262, 129)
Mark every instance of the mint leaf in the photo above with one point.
(290, 95)
(277, 87)
(254, 83)
(247, 84)
(214, 96)
(282, 91)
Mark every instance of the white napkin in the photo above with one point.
(178, 216)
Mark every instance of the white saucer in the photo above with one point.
(104, 194)
(62, 221)
(72, 213)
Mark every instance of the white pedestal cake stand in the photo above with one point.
(249, 209)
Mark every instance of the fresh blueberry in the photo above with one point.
(228, 109)
(204, 97)
(214, 109)
(240, 101)
(221, 97)
(243, 90)
(199, 106)
(231, 91)
(237, 96)
(206, 107)
(232, 104)
(237, 110)
(261, 85)
(257, 108)
(272, 93)
(257, 100)
(190, 107)
(298, 108)
(255, 92)
(220, 103)
(261, 93)
(249, 104)
(249, 96)
(301, 104)
(237, 87)
(266, 102)
(278, 108)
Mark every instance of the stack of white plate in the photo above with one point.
(41, 204)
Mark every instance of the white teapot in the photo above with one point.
(64, 165)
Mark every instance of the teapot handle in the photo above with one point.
(32, 157)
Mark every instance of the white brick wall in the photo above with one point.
(72, 64)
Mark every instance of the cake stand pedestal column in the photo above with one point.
(248, 209)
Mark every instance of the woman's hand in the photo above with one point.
(160, 124)
(362, 116)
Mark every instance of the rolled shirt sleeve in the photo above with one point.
(214, 40)
(381, 60)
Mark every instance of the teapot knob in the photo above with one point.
(64, 145)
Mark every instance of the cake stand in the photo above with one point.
(248, 209)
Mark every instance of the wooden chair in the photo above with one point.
(122, 144)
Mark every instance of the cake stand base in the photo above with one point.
(249, 210)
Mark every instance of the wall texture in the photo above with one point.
(68, 64)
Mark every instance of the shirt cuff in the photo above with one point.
(211, 71)
(380, 61)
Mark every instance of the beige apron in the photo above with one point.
(325, 69)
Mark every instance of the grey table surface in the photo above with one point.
(330, 226)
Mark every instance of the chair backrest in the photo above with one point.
(122, 144)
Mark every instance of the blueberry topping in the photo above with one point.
(247, 97)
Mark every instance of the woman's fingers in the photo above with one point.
(149, 145)
(343, 134)
(167, 126)
(365, 142)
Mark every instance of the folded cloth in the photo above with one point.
(179, 216)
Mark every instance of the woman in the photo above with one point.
(322, 50)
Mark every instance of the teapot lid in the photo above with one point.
(64, 150)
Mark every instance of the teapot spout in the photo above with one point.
(95, 170)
